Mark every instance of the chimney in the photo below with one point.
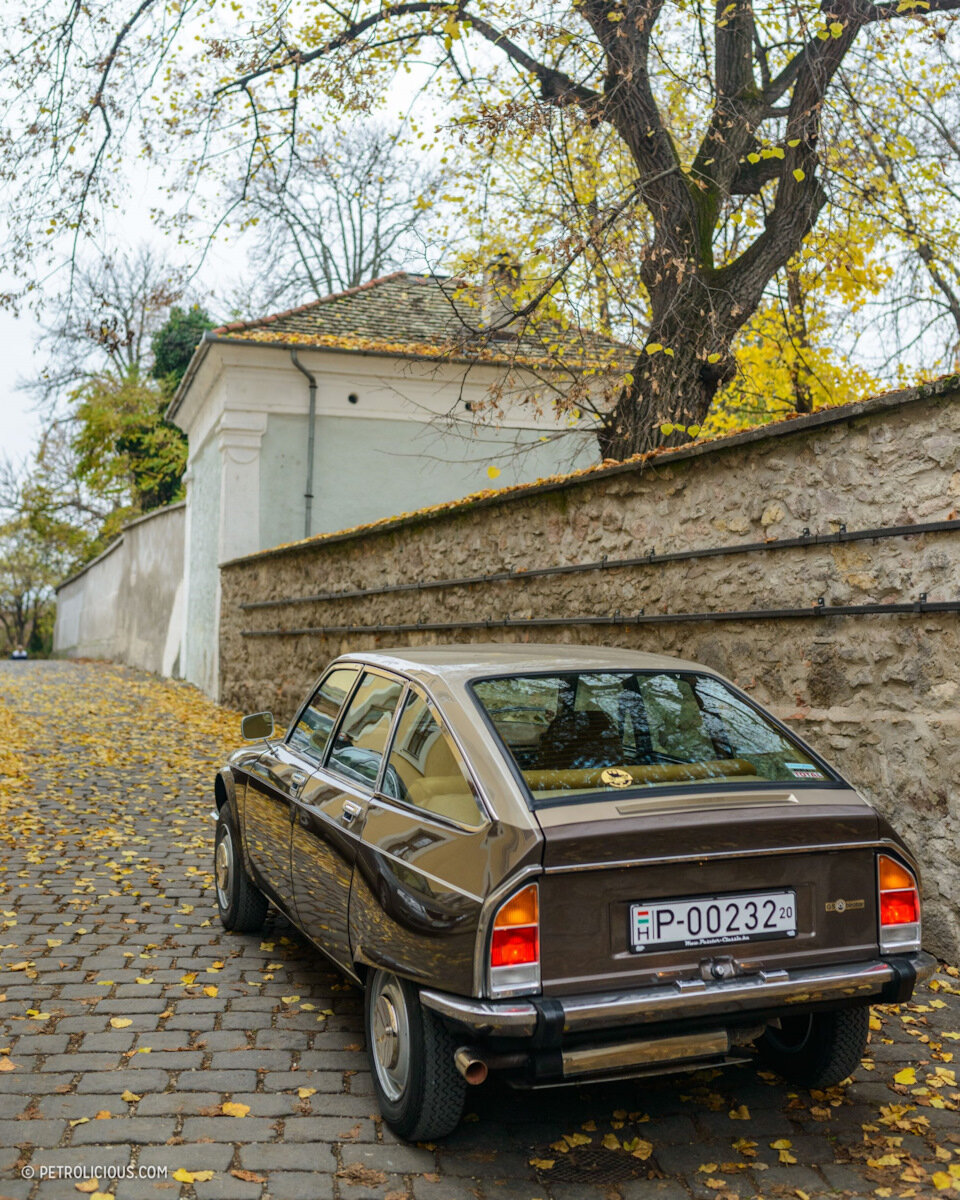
(498, 299)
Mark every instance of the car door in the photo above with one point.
(275, 780)
(331, 808)
(423, 865)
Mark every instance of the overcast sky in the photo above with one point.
(17, 360)
(128, 224)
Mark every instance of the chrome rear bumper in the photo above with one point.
(886, 979)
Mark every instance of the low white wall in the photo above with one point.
(128, 604)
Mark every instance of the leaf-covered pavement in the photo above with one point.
(137, 1037)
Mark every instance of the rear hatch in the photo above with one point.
(619, 875)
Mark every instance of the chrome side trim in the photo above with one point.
(678, 1001)
(813, 848)
(654, 1050)
(504, 1018)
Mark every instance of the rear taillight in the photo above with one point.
(515, 945)
(899, 905)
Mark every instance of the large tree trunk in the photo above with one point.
(687, 357)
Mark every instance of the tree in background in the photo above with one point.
(126, 451)
(37, 549)
(722, 112)
(345, 209)
(106, 320)
(174, 342)
(107, 453)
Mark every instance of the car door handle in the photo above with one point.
(350, 812)
(298, 779)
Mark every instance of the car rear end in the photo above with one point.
(706, 881)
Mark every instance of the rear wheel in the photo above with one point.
(420, 1092)
(819, 1049)
(241, 904)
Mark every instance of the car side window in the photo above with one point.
(425, 768)
(312, 732)
(363, 731)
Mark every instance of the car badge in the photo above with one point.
(615, 777)
(843, 905)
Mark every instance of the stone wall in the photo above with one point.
(127, 605)
(877, 693)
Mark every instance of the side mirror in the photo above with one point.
(257, 726)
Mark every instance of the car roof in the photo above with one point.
(457, 663)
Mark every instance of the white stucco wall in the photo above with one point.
(408, 438)
(201, 569)
(128, 605)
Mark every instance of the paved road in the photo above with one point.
(128, 1020)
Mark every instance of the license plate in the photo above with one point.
(712, 920)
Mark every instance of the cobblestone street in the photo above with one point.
(136, 1033)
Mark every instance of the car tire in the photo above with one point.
(241, 904)
(420, 1092)
(819, 1049)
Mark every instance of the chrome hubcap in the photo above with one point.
(223, 869)
(390, 1035)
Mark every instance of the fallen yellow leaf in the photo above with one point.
(304, 1092)
(907, 1076)
(181, 1175)
(232, 1109)
(576, 1139)
(120, 1022)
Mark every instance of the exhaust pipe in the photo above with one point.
(470, 1065)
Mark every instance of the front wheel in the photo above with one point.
(817, 1050)
(241, 904)
(420, 1092)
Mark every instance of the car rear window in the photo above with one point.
(595, 732)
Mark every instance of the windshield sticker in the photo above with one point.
(615, 777)
(804, 771)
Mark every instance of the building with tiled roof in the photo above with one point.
(417, 316)
(407, 391)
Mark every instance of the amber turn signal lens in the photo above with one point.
(894, 877)
(522, 909)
